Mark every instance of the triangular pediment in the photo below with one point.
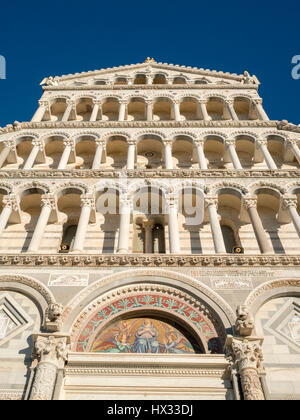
(148, 67)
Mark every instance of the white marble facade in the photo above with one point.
(153, 190)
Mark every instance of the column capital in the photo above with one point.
(70, 143)
(229, 101)
(203, 101)
(149, 101)
(250, 202)
(230, 142)
(48, 200)
(43, 103)
(148, 224)
(211, 201)
(70, 102)
(171, 201)
(87, 200)
(199, 142)
(38, 143)
(261, 142)
(100, 142)
(176, 101)
(292, 142)
(131, 142)
(168, 142)
(97, 101)
(11, 144)
(257, 101)
(289, 201)
(123, 101)
(51, 348)
(11, 201)
(244, 352)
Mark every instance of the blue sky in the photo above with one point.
(61, 37)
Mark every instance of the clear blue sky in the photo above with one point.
(39, 39)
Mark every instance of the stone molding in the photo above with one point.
(147, 260)
(162, 173)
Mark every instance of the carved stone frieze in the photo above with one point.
(162, 260)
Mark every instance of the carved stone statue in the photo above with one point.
(50, 81)
(247, 79)
(53, 317)
(244, 323)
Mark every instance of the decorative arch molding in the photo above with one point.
(160, 134)
(242, 96)
(137, 96)
(291, 187)
(220, 134)
(262, 184)
(186, 284)
(63, 134)
(148, 299)
(84, 96)
(197, 98)
(24, 134)
(76, 185)
(251, 134)
(271, 290)
(107, 135)
(110, 96)
(33, 184)
(208, 96)
(50, 99)
(29, 286)
(215, 188)
(170, 97)
(9, 188)
(174, 134)
(266, 134)
(110, 183)
(135, 186)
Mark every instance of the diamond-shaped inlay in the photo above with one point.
(13, 319)
(285, 323)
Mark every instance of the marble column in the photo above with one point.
(87, 205)
(37, 147)
(67, 113)
(124, 231)
(176, 107)
(262, 144)
(233, 154)
(95, 111)
(231, 110)
(9, 204)
(122, 110)
(260, 234)
(291, 204)
(100, 144)
(174, 242)
(245, 354)
(200, 153)
(69, 145)
(50, 350)
(48, 204)
(149, 110)
(294, 147)
(131, 154)
(203, 109)
(168, 154)
(211, 204)
(260, 110)
(8, 147)
(148, 226)
(40, 112)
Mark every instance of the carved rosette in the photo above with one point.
(51, 352)
(246, 356)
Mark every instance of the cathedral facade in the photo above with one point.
(150, 240)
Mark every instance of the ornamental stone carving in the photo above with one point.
(51, 353)
(245, 323)
(245, 355)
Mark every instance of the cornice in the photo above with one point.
(149, 260)
(211, 86)
(148, 174)
(17, 126)
(173, 67)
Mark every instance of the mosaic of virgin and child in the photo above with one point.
(142, 336)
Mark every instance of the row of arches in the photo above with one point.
(149, 151)
(160, 108)
(141, 78)
(147, 219)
